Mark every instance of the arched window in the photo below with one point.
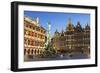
(35, 51)
(38, 51)
(24, 51)
(32, 51)
(28, 51)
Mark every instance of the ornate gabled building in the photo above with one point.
(69, 34)
(74, 39)
(62, 41)
(56, 41)
(87, 39)
(34, 37)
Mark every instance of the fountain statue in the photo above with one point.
(49, 51)
(48, 34)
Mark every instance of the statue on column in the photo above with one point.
(49, 51)
(48, 33)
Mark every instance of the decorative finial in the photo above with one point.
(37, 21)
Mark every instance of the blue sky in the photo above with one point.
(59, 20)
